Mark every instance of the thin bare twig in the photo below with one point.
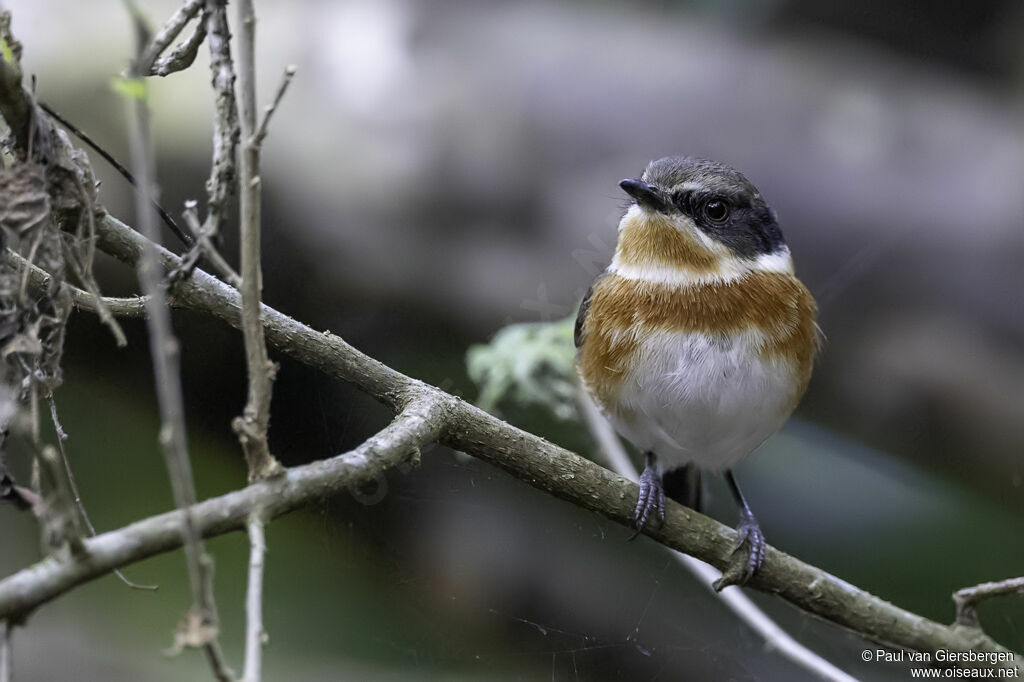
(221, 182)
(207, 632)
(10, 491)
(255, 635)
(225, 122)
(131, 306)
(122, 171)
(83, 263)
(252, 426)
(739, 603)
(106, 315)
(61, 437)
(967, 598)
(200, 625)
(218, 665)
(182, 56)
(165, 36)
(59, 521)
(204, 247)
(5, 650)
(268, 111)
(19, 496)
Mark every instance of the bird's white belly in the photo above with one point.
(706, 399)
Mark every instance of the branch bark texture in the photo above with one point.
(32, 587)
(467, 428)
(225, 122)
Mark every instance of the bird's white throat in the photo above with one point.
(650, 267)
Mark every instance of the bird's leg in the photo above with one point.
(652, 495)
(682, 484)
(749, 552)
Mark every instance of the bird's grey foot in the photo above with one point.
(650, 504)
(748, 555)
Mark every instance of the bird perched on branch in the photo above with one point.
(698, 340)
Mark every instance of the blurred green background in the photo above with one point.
(441, 169)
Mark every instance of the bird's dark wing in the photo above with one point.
(581, 316)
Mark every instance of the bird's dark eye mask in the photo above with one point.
(691, 202)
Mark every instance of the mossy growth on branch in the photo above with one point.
(528, 364)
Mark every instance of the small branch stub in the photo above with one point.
(261, 132)
(967, 599)
(257, 455)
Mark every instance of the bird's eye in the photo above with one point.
(716, 210)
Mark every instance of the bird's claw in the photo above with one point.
(748, 555)
(650, 501)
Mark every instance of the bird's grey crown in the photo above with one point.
(670, 172)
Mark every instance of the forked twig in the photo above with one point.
(149, 54)
(182, 56)
(202, 248)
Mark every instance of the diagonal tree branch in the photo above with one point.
(558, 471)
(25, 591)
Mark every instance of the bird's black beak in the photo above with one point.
(645, 194)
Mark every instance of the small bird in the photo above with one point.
(698, 341)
